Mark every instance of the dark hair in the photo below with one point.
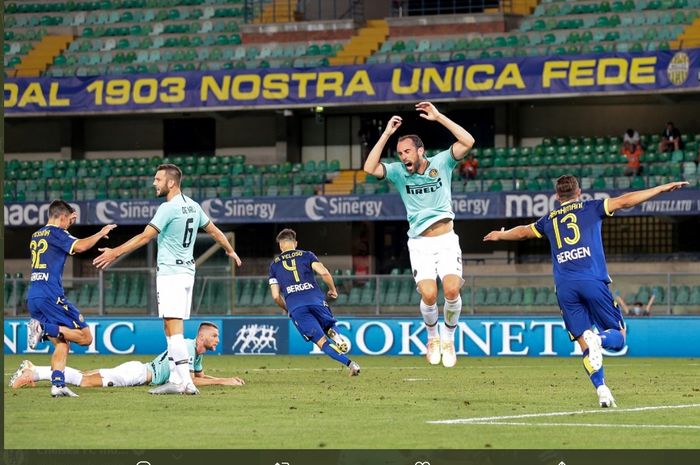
(206, 324)
(287, 235)
(638, 303)
(566, 187)
(171, 171)
(416, 140)
(60, 207)
(630, 132)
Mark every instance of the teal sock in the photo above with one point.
(612, 339)
(334, 354)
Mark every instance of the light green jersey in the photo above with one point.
(177, 222)
(160, 368)
(428, 196)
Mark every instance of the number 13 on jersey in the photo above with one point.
(570, 222)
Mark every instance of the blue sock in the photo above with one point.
(597, 377)
(58, 379)
(334, 354)
(612, 339)
(51, 329)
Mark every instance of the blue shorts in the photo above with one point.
(587, 303)
(51, 311)
(313, 321)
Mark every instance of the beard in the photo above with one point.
(163, 192)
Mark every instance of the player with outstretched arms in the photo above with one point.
(175, 224)
(294, 288)
(425, 186)
(580, 271)
(53, 316)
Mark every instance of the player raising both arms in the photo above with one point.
(295, 290)
(425, 188)
(53, 316)
(580, 271)
(135, 373)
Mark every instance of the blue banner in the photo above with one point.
(296, 209)
(476, 336)
(518, 77)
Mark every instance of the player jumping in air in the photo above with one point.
(425, 188)
(580, 271)
(295, 290)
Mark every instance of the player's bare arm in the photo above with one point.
(220, 238)
(200, 379)
(518, 233)
(277, 296)
(110, 255)
(87, 243)
(372, 165)
(465, 141)
(631, 199)
(323, 272)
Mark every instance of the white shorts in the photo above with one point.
(175, 295)
(435, 256)
(127, 374)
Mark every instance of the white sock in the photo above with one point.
(174, 377)
(430, 318)
(42, 373)
(73, 376)
(451, 312)
(178, 350)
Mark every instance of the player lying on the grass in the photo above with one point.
(580, 271)
(135, 373)
(295, 290)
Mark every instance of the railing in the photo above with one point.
(440, 7)
(299, 10)
(130, 291)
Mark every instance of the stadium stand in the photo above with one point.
(150, 36)
(596, 160)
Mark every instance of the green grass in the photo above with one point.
(310, 402)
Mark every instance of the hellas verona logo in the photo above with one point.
(678, 69)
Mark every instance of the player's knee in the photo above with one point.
(85, 338)
(451, 293)
(429, 297)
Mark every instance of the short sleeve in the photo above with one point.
(538, 227)
(448, 159)
(198, 366)
(161, 218)
(312, 257)
(203, 218)
(601, 207)
(390, 171)
(65, 241)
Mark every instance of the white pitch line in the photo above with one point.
(463, 421)
(466, 367)
(592, 425)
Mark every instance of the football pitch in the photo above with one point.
(309, 402)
